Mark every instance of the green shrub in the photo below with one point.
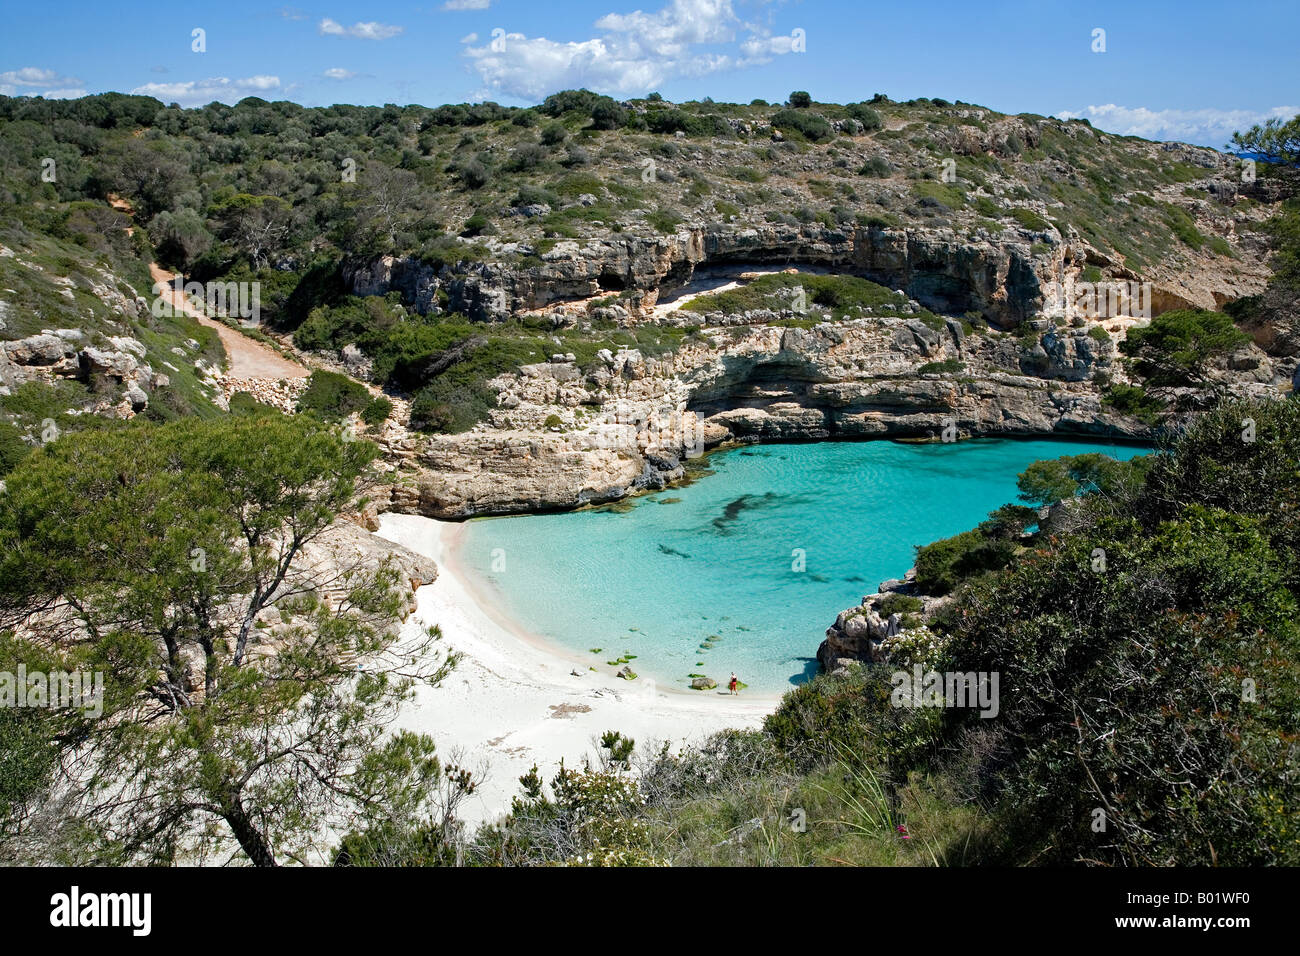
(1134, 400)
(878, 167)
(607, 114)
(1177, 348)
(664, 221)
(941, 566)
(529, 195)
(569, 101)
(1220, 247)
(1030, 219)
(332, 396)
(475, 225)
(840, 295)
(377, 412)
(865, 115)
(675, 120)
(12, 447)
(1105, 675)
(950, 195)
(1183, 226)
(947, 366)
(243, 403)
(896, 603)
(450, 408)
(1049, 481)
(810, 126)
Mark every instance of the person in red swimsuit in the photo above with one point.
(733, 683)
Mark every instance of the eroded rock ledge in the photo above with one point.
(566, 436)
(1003, 275)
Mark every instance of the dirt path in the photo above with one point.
(121, 205)
(249, 360)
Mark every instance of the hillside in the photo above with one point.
(536, 283)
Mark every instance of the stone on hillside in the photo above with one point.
(1244, 359)
(126, 344)
(137, 397)
(96, 362)
(43, 349)
(354, 360)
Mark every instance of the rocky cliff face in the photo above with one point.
(565, 436)
(1003, 276)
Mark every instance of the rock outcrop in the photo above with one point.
(346, 546)
(1004, 277)
(628, 422)
(116, 367)
(871, 632)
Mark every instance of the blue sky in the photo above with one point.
(1188, 70)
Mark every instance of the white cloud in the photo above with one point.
(467, 4)
(338, 73)
(634, 53)
(469, 38)
(369, 30)
(35, 81)
(1208, 127)
(35, 76)
(28, 76)
(202, 92)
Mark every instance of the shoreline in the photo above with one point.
(478, 591)
(513, 700)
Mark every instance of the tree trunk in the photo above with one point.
(250, 840)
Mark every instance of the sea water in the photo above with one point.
(755, 559)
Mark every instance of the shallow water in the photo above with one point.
(756, 559)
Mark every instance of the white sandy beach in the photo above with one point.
(513, 700)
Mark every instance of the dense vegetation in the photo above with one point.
(288, 196)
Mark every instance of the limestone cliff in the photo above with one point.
(565, 436)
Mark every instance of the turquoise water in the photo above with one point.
(718, 557)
